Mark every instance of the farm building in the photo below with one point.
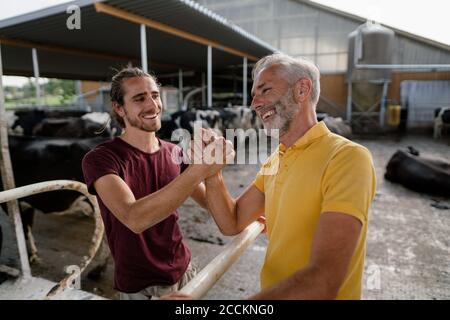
(307, 29)
(376, 78)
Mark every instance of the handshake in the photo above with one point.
(209, 153)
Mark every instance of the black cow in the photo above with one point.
(168, 125)
(37, 159)
(41, 159)
(71, 128)
(427, 175)
(27, 119)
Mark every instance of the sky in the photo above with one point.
(429, 19)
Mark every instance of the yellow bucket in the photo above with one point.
(394, 115)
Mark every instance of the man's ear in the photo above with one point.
(118, 109)
(302, 90)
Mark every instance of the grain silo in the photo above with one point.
(369, 45)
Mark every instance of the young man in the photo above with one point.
(139, 186)
(317, 201)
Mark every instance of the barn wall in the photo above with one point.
(88, 86)
(397, 78)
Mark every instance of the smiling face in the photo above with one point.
(273, 100)
(142, 106)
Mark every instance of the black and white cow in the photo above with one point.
(206, 118)
(441, 121)
(237, 117)
(240, 117)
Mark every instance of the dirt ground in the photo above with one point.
(408, 244)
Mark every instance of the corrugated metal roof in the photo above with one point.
(105, 41)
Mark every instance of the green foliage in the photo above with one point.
(55, 92)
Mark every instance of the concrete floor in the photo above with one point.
(408, 242)
(408, 245)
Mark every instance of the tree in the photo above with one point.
(65, 89)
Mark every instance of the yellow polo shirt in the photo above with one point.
(321, 172)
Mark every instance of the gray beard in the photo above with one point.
(286, 110)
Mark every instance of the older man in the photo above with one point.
(315, 191)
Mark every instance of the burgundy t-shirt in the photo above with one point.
(157, 256)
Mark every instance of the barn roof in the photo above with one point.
(178, 33)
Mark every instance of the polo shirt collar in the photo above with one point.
(318, 130)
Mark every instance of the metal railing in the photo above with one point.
(196, 288)
(209, 275)
(97, 236)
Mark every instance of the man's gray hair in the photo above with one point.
(293, 69)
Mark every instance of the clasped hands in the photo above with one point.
(209, 152)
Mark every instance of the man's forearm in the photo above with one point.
(221, 204)
(152, 209)
(310, 283)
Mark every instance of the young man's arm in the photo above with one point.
(232, 215)
(334, 243)
(139, 215)
(199, 196)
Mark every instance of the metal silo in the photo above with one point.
(370, 44)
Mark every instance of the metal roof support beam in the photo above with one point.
(144, 60)
(125, 15)
(244, 82)
(209, 95)
(349, 101)
(36, 76)
(383, 103)
(8, 182)
(180, 87)
(63, 50)
(203, 89)
(408, 67)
